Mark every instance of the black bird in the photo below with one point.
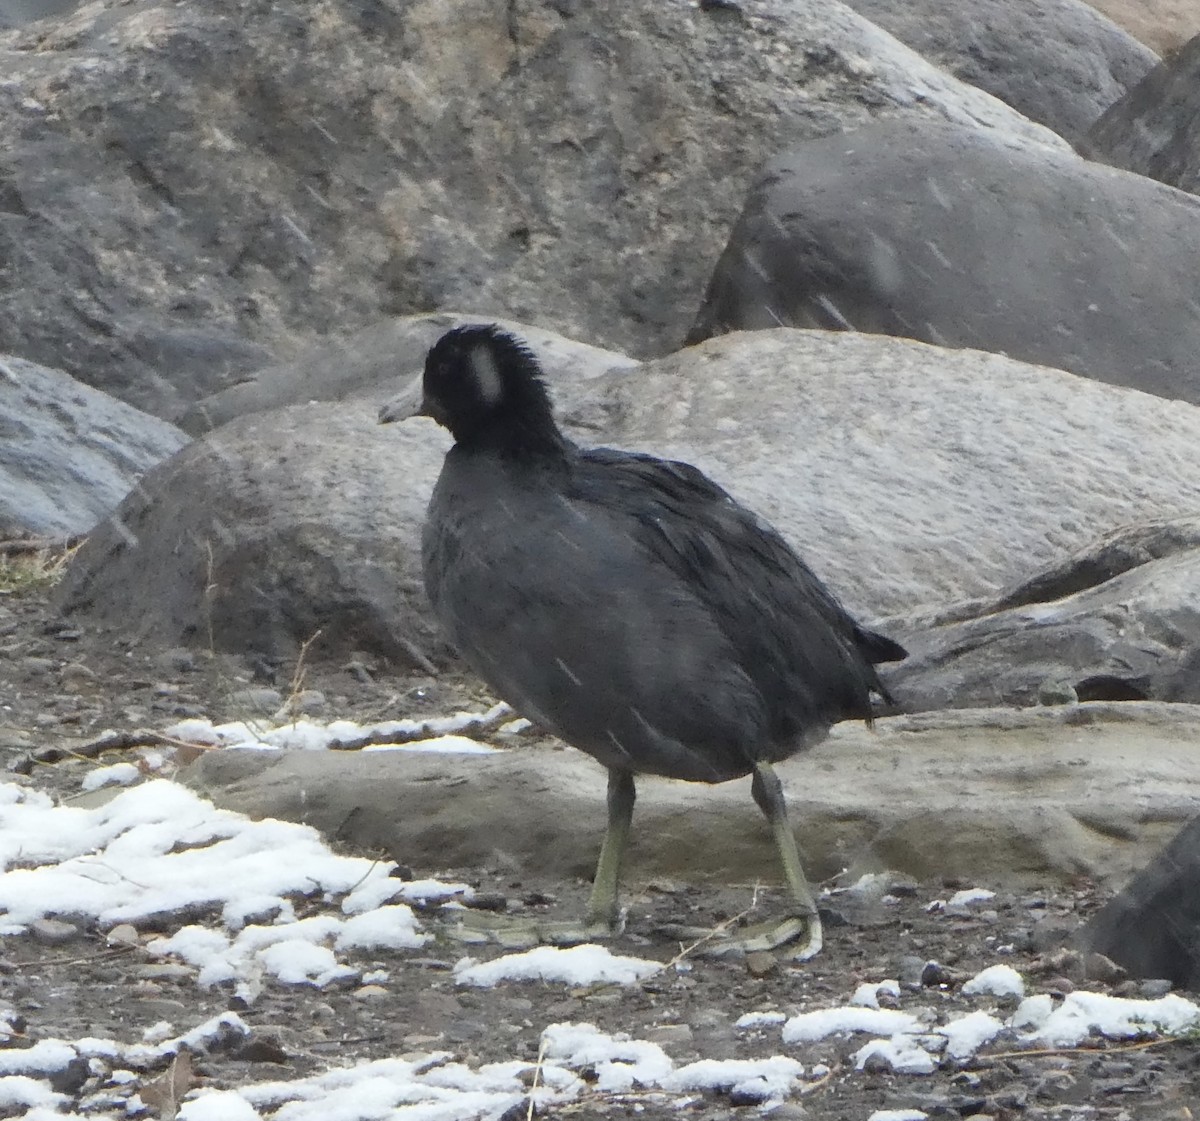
(627, 603)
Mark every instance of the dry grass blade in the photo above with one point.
(1047, 1052)
(35, 564)
(537, 1074)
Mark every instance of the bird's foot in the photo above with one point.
(799, 936)
(522, 932)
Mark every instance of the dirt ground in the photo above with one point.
(60, 687)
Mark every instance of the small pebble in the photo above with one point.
(1051, 692)
(1100, 968)
(307, 702)
(666, 1034)
(123, 934)
(178, 660)
(749, 1094)
(262, 1049)
(1155, 987)
(37, 666)
(789, 1111)
(910, 970)
(75, 674)
(369, 992)
(53, 932)
(167, 971)
(487, 901)
(760, 963)
(360, 672)
(934, 973)
(261, 699)
(461, 1030)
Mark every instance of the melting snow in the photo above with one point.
(579, 965)
(761, 1079)
(902, 1053)
(996, 980)
(157, 849)
(759, 1019)
(965, 1035)
(808, 1027)
(963, 898)
(1081, 1013)
(438, 734)
(119, 774)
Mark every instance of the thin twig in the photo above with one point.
(816, 1084)
(100, 955)
(1045, 1052)
(714, 932)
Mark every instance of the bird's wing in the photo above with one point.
(556, 605)
(806, 654)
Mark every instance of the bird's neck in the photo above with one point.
(518, 439)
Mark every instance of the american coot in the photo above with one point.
(627, 604)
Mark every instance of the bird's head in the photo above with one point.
(486, 387)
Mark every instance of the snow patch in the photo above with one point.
(578, 965)
(808, 1027)
(996, 980)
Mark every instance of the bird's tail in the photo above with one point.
(878, 648)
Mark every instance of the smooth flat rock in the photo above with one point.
(195, 190)
(69, 453)
(994, 796)
(1154, 129)
(1059, 62)
(969, 239)
(909, 476)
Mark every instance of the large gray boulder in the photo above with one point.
(16, 12)
(1155, 128)
(1118, 620)
(909, 476)
(1152, 928)
(69, 453)
(971, 239)
(1164, 25)
(293, 521)
(1033, 797)
(194, 189)
(381, 354)
(1059, 62)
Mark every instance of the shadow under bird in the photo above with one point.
(628, 605)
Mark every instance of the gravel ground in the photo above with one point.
(61, 688)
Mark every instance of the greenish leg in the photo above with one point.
(604, 908)
(768, 793)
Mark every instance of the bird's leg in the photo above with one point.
(802, 924)
(603, 914)
(604, 907)
(768, 793)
